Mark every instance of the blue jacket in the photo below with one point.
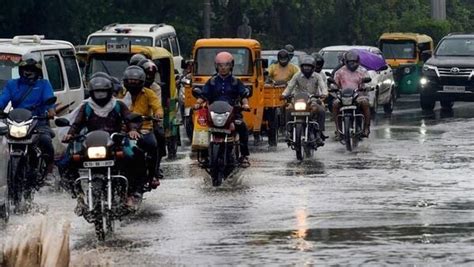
(228, 89)
(16, 88)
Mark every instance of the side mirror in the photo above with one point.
(331, 80)
(197, 92)
(425, 55)
(328, 74)
(265, 73)
(62, 122)
(50, 101)
(186, 63)
(366, 80)
(3, 129)
(264, 62)
(248, 91)
(134, 117)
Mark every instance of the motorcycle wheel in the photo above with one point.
(299, 132)
(308, 148)
(347, 133)
(14, 181)
(189, 127)
(215, 162)
(172, 146)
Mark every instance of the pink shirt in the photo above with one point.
(350, 79)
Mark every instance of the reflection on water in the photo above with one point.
(304, 168)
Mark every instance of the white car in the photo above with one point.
(382, 80)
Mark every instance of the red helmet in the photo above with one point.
(224, 57)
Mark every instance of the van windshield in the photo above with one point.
(392, 49)
(114, 65)
(331, 59)
(243, 63)
(456, 47)
(135, 40)
(8, 68)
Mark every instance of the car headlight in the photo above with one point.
(18, 131)
(346, 101)
(388, 82)
(299, 106)
(423, 81)
(97, 152)
(219, 120)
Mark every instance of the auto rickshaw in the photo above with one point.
(248, 67)
(113, 59)
(402, 52)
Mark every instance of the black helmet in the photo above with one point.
(100, 90)
(134, 79)
(283, 57)
(352, 60)
(30, 67)
(291, 50)
(150, 69)
(319, 60)
(307, 65)
(135, 59)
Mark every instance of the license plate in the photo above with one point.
(300, 113)
(96, 164)
(453, 88)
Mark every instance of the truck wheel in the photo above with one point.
(427, 102)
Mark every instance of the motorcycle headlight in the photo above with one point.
(346, 101)
(18, 131)
(219, 120)
(98, 152)
(299, 106)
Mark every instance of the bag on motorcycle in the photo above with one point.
(201, 130)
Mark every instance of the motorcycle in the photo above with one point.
(221, 157)
(300, 129)
(350, 117)
(102, 180)
(26, 163)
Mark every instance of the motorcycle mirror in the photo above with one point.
(50, 101)
(117, 138)
(3, 128)
(197, 92)
(135, 118)
(366, 80)
(328, 74)
(331, 80)
(62, 122)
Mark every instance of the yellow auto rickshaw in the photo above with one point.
(402, 51)
(113, 59)
(248, 67)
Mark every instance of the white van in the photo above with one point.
(59, 62)
(161, 35)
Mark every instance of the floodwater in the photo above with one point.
(404, 196)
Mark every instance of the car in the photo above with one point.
(162, 35)
(383, 85)
(271, 56)
(447, 73)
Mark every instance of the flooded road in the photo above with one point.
(405, 196)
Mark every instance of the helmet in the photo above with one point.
(134, 79)
(30, 67)
(150, 69)
(101, 74)
(307, 65)
(352, 60)
(291, 50)
(223, 58)
(319, 60)
(135, 59)
(101, 89)
(283, 57)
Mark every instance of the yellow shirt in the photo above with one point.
(282, 74)
(146, 103)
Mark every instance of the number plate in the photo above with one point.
(300, 113)
(453, 88)
(96, 164)
(117, 48)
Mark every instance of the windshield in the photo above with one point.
(114, 65)
(135, 40)
(456, 47)
(204, 61)
(8, 68)
(398, 49)
(330, 59)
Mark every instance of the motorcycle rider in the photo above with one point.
(146, 103)
(224, 86)
(350, 76)
(307, 80)
(135, 59)
(102, 111)
(291, 50)
(30, 91)
(319, 60)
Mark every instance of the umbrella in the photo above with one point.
(369, 60)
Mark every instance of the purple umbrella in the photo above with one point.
(369, 60)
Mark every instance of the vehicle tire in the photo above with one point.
(373, 110)
(427, 102)
(388, 107)
(5, 207)
(298, 136)
(347, 133)
(273, 128)
(216, 162)
(15, 187)
(446, 104)
(172, 147)
(189, 127)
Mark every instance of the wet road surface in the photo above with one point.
(405, 196)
